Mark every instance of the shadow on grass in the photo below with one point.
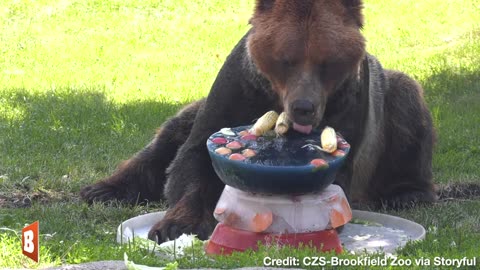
(67, 138)
(453, 96)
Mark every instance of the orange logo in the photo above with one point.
(30, 241)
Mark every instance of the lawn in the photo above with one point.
(84, 84)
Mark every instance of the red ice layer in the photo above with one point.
(225, 240)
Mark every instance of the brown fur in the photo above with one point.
(306, 57)
(314, 46)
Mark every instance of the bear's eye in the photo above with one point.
(322, 68)
(286, 62)
(334, 70)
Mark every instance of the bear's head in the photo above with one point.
(306, 49)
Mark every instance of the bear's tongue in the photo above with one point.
(302, 129)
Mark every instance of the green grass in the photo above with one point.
(84, 84)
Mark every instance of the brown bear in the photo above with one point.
(307, 58)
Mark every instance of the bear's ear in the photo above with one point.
(264, 5)
(355, 9)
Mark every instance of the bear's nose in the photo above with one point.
(303, 111)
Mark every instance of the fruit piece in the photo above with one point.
(264, 123)
(261, 221)
(328, 139)
(339, 140)
(347, 211)
(342, 217)
(227, 132)
(225, 217)
(249, 137)
(223, 151)
(219, 140)
(234, 145)
(248, 153)
(282, 124)
(319, 163)
(219, 211)
(237, 156)
(336, 219)
(334, 198)
(231, 219)
(243, 133)
(338, 153)
(343, 144)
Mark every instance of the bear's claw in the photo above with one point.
(170, 228)
(408, 199)
(102, 192)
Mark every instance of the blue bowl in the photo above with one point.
(281, 164)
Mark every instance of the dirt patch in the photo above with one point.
(22, 199)
(454, 191)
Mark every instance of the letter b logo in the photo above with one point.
(30, 241)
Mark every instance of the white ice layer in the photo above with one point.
(291, 214)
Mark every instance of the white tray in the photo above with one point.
(382, 233)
